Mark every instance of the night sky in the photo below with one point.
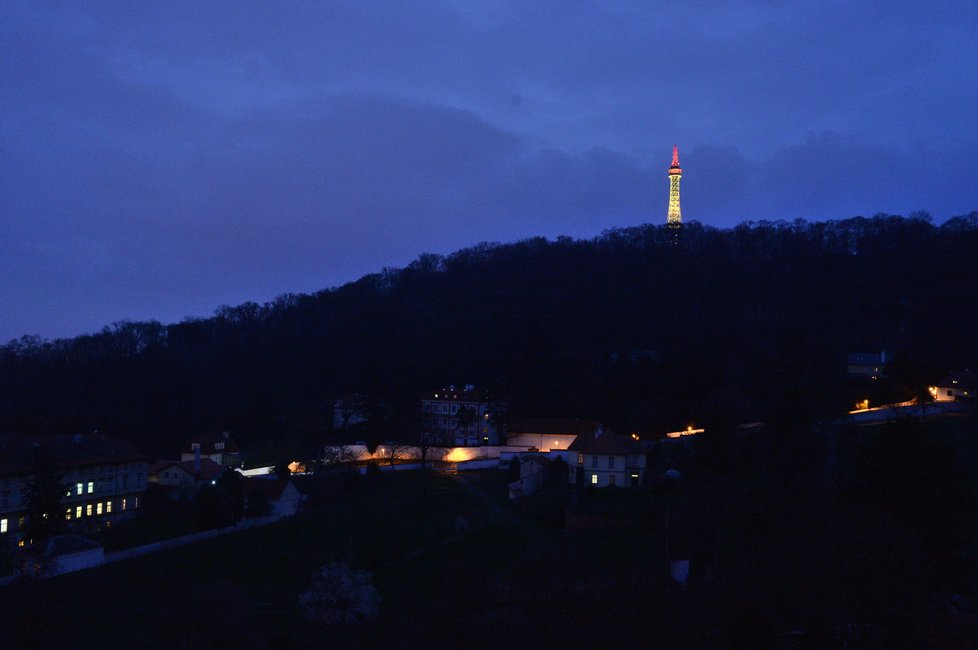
(158, 159)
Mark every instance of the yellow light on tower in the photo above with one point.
(674, 217)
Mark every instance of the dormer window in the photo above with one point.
(218, 445)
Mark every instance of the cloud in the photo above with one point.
(159, 159)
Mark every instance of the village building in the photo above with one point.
(607, 459)
(188, 475)
(103, 480)
(534, 469)
(61, 554)
(461, 417)
(217, 446)
(281, 495)
(955, 386)
(867, 365)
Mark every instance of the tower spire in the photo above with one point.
(674, 217)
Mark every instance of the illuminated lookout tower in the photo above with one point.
(674, 219)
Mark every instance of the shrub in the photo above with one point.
(340, 594)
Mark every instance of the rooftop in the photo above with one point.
(607, 443)
(207, 442)
(209, 470)
(18, 451)
(964, 379)
(467, 393)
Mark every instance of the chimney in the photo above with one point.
(197, 459)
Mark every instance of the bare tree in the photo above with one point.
(465, 419)
(429, 434)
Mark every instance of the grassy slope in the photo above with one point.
(242, 588)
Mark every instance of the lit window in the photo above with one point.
(91, 487)
(3, 525)
(79, 488)
(594, 479)
(88, 510)
(98, 508)
(78, 512)
(123, 503)
(580, 459)
(108, 506)
(68, 514)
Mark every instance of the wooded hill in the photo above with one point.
(637, 327)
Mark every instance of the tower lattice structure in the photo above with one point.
(674, 218)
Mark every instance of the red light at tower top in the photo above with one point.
(674, 167)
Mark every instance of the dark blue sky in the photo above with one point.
(159, 159)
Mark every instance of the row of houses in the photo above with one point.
(105, 480)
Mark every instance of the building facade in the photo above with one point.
(867, 365)
(461, 417)
(607, 459)
(189, 475)
(103, 480)
(217, 446)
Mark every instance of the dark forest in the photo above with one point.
(643, 328)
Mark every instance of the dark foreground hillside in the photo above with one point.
(634, 327)
(870, 546)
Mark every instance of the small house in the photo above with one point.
(280, 495)
(534, 469)
(607, 459)
(955, 386)
(867, 365)
(187, 474)
(62, 554)
(218, 447)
